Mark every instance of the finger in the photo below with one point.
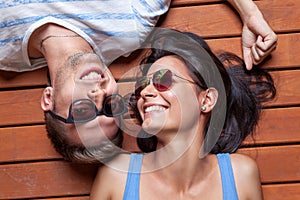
(255, 54)
(261, 45)
(260, 53)
(265, 44)
(264, 54)
(247, 58)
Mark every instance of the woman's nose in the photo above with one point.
(149, 91)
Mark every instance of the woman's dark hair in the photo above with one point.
(245, 90)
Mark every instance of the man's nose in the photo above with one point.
(97, 95)
(103, 82)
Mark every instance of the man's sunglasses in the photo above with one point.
(162, 81)
(84, 110)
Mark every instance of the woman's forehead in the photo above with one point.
(172, 63)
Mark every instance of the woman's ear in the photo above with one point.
(208, 100)
(47, 101)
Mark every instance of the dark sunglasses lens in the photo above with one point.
(140, 85)
(162, 80)
(114, 105)
(83, 110)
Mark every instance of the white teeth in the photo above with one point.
(154, 108)
(91, 76)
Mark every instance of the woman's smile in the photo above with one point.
(154, 108)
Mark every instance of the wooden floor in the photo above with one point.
(30, 168)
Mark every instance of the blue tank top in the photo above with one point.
(132, 187)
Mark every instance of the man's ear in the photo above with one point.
(208, 100)
(47, 101)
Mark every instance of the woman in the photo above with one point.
(197, 113)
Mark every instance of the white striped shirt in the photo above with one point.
(112, 27)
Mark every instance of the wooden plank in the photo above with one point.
(191, 2)
(282, 191)
(226, 22)
(277, 126)
(70, 198)
(59, 178)
(271, 192)
(21, 107)
(36, 180)
(15, 110)
(276, 163)
(25, 143)
(287, 84)
(24, 79)
(206, 25)
(277, 12)
(31, 142)
(285, 56)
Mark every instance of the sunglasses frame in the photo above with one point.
(69, 119)
(148, 81)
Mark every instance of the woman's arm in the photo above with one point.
(258, 39)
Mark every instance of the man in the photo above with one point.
(75, 40)
(66, 37)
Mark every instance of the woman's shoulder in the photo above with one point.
(111, 178)
(243, 161)
(246, 175)
(116, 167)
(244, 167)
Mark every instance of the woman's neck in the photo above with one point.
(179, 160)
(186, 172)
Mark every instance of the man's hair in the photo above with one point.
(79, 153)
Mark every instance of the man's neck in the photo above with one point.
(56, 44)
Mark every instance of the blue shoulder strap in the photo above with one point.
(228, 183)
(133, 177)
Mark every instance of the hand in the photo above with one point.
(258, 40)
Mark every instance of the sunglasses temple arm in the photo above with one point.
(53, 114)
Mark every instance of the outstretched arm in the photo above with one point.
(258, 39)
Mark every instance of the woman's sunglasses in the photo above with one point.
(162, 81)
(84, 110)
